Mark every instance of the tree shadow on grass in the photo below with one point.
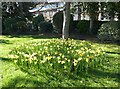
(2, 41)
(92, 38)
(103, 74)
(112, 52)
(40, 81)
(102, 77)
(25, 81)
(4, 59)
(40, 36)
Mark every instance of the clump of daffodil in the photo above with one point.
(56, 55)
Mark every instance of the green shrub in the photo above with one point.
(57, 57)
(45, 27)
(15, 26)
(109, 31)
(22, 27)
(96, 27)
(83, 26)
(9, 25)
(58, 22)
(37, 20)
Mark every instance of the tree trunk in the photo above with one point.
(21, 9)
(119, 16)
(111, 16)
(93, 19)
(66, 21)
(0, 19)
(79, 11)
(0, 9)
(91, 24)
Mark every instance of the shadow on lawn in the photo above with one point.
(92, 38)
(87, 37)
(25, 81)
(2, 41)
(103, 74)
(39, 36)
(4, 59)
(113, 52)
(33, 81)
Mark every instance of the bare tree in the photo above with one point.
(66, 21)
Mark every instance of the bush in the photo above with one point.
(97, 25)
(56, 57)
(83, 26)
(109, 31)
(37, 20)
(22, 27)
(9, 25)
(15, 26)
(58, 22)
(75, 23)
(46, 27)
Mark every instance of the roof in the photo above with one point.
(48, 7)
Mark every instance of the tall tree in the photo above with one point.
(92, 10)
(118, 9)
(14, 9)
(66, 21)
(0, 9)
(110, 7)
(21, 9)
(0, 18)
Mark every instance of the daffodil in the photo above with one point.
(103, 52)
(26, 55)
(30, 61)
(59, 61)
(68, 60)
(35, 63)
(87, 59)
(48, 54)
(67, 48)
(79, 59)
(58, 58)
(58, 46)
(72, 51)
(65, 67)
(56, 53)
(68, 51)
(63, 56)
(62, 62)
(53, 57)
(39, 52)
(43, 61)
(75, 63)
(82, 48)
(14, 56)
(50, 57)
(81, 54)
(60, 54)
(51, 64)
(15, 61)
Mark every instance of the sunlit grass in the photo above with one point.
(12, 76)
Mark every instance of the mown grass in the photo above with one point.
(12, 76)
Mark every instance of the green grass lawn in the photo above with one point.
(12, 76)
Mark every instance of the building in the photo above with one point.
(48, 10)
(0, 18)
